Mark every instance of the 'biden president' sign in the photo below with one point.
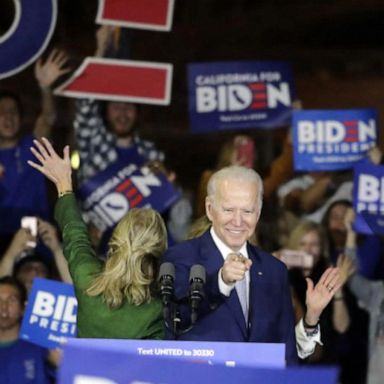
(332, 140)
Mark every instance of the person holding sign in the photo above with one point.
(117, 299)
(247, 294)
(20, 361)
(106, 132)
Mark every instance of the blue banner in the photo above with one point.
(239, 94)
(230, 354)
(330, 140)
(50, 316)
(28, 36)
(116, 366)
(108, 196)
(368, 198)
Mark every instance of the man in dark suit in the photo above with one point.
(247, 295)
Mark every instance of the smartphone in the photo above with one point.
(296, 259)
(30, 223)
(246, 153)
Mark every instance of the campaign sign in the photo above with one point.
(28, 36)
(330, 140)
(50, 316)
(242, 94)
(375, 222)
(230, 354)
(120, 80)
(108, 196)
(145, 14)
(121, 367)
(368, 197)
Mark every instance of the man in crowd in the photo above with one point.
(247, 295)
(20, 361)
(22, 189)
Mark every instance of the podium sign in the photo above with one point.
(118, 363)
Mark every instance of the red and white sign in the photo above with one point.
(120, 80)
(144, 14)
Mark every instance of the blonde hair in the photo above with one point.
(301, 230)
(130, 272)
(198, 227)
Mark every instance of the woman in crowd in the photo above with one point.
(116, 299)
(310, 238)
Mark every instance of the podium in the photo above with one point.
(104, 361)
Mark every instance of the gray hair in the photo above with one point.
(236, 172)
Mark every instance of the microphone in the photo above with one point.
(166, 279)
(196, 291)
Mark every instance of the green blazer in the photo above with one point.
(94, 318)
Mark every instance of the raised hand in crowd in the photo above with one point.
(21, 243)
(49, 236)
(318, 296)
(375, 155)
(46, 73)
(346, 266)
(55, 168)
(351, 237)
(105, 39)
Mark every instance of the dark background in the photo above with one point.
(335, 47)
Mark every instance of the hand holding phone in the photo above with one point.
(30, 223)
(296, 259)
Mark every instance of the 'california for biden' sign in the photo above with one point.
(242, 94)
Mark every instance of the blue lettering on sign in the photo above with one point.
(28, 36)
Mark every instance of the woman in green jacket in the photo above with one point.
(116, 299)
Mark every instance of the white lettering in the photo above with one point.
(44, 304)
(368, 189)
(142, 182)
(206, 99)
(367, 131)
(278, 95)
(82, 379)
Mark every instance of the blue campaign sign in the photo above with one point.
(368, 198)
(50, 316)
(375, 222)
(108, 196)
(330, 140)
(239, 94)
(120, 367)
(230, 354)
(28, 36)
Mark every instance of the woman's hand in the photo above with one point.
(319, 296)
(49, 71)
(55, 168)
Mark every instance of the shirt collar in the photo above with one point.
(224, 249)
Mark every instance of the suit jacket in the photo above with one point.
(220, 318)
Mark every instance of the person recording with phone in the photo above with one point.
(23, 260)
(117, 299)
(247, 296)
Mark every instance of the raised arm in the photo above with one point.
(46, 74)
(19, 244)
(55, 168)
(317, 298)
(48, 234)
